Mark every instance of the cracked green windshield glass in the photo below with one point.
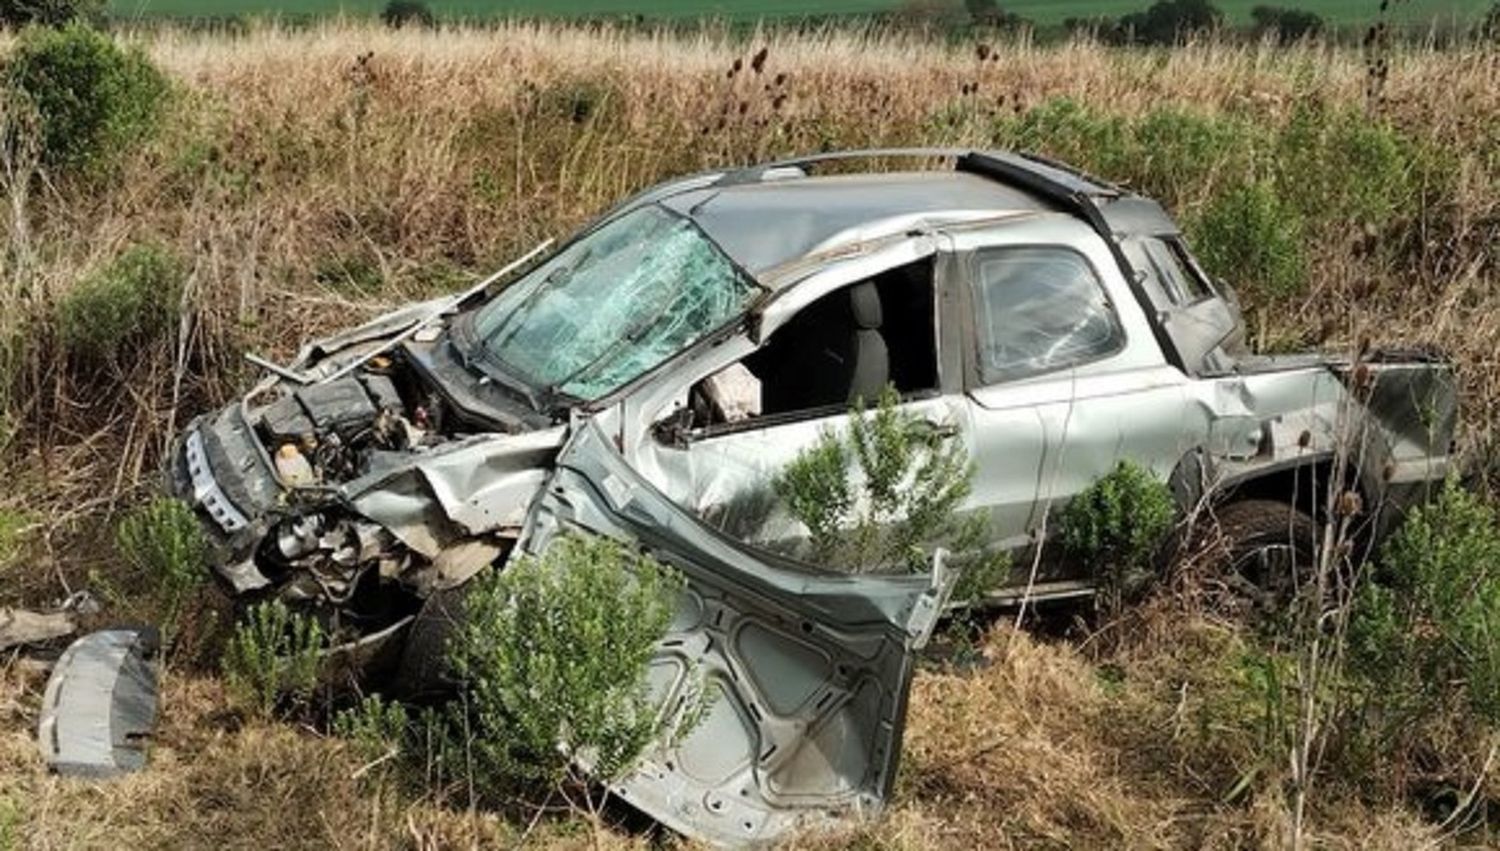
(613, 305)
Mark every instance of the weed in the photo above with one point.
(273, 655)
(164, 542)
(1118, 524)
(134, 298)
(377, 727)
(885, 494)
(13, 528)
(94, 99)
(1252, 237)
(553, 656)
(1426, 632)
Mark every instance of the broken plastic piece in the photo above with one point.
(100, 704)
(18, 626)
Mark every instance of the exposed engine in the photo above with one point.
(333, 432)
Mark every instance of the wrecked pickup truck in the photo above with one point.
(646, 381)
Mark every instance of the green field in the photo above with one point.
(1043, 12)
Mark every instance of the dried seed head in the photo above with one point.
(1349, 504)
(758, 61)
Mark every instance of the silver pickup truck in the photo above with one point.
(647, 379)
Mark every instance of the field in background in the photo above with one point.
(306, 180)
(1352, 13)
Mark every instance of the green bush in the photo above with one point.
(163, 541)
(400, 13)
(1426, 631)
(885, 494)
(377, 727)
(13, 528)
(1287, 25)
(274, 654)
(1252, 238)
(1118, 524)
(1343, 167)
(552, 656)
(93, 99)
(134, 298)
(1179, 155)
(1070, 131)
(52, 13)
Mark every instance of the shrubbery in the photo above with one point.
(885, 494)
(1251, 231)
(1117, 525)
(93, 99)
(163, 543)
(552, 655)
(19, 13)
(1287, 25)
(134, 298)
(1426, 630)
(400, 13)
(1252, 196)
(274, 655)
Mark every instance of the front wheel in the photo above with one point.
(1259, 554)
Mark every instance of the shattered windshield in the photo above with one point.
(613, 305)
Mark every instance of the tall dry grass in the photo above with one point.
(309, 179)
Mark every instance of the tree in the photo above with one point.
(51, 13)
(399, 13)
(1288, 25)
(1170, 21)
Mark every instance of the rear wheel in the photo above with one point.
(1259, 554)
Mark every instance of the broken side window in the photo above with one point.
(1038, 309)
(613, 305)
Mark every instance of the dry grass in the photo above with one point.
(310, 179)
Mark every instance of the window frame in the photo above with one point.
(1177, 252)
(978, 375)
(699, 434)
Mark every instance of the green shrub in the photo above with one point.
(400, 13)
(1254, 240)
(1426, 631)
(885, 494)
(13, 528)
(163, 541)
(93, 99)
(552, 656)
(51, 13)
(1287, 25)
(352, 274)
(1118, 523)
(1343, 167)
(274, 654)
(377, 727)
(134, 298)
(1079, 135)
(1180, 155)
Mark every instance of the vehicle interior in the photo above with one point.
(846, 346)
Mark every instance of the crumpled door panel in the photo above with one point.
(808, 672)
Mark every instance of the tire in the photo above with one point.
(1259, 555)
(423, 669)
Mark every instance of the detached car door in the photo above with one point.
(807, 671)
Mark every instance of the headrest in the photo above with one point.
(864, 304)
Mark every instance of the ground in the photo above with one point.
(308, 179)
